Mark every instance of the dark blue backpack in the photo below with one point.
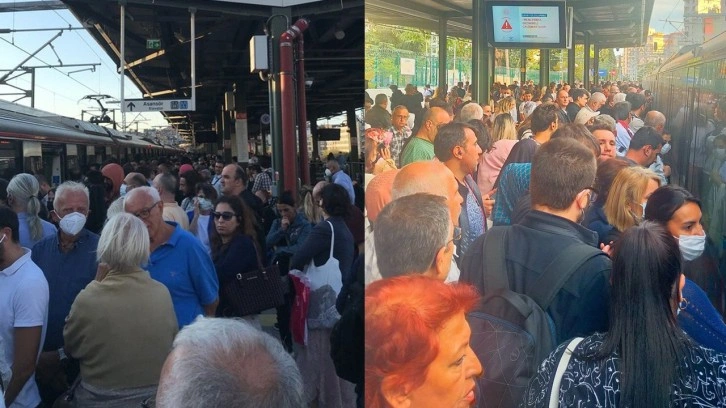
(511, 333)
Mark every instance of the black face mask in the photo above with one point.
(50, 205)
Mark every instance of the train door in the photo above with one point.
(90, 155)
(32, 157)
(82, 155)
(72, 158)
(53, 163)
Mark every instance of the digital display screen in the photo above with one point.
(525, 24)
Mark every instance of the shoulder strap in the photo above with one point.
(474, 188)
(494, 256)
(332, 238)
(559, 271)
(561, 367)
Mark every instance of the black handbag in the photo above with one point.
(253, 292)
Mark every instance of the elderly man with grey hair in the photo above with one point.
(68, 261)
(596, 101)
(415, 234)
(178, 259)
(228, 363)
(471, 110)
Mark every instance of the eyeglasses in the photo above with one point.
(225, 215)
(457, 235)
(144, 213)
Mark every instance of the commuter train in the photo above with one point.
(690, 89)
(34, 141)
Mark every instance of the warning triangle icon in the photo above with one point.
(506, 25)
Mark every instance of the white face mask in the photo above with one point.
(665, 149)
(328, 173)
(72, 223)
(205, 204)
(691, 246)
(122, 190)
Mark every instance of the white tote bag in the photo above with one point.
(326, 281)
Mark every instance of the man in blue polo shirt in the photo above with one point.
(178, 259)
(68, 261)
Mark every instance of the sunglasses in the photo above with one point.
(224, 215)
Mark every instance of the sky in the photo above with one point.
(671, 10)
(56, 90)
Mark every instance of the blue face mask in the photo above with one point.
(691, 246)
(122, 190)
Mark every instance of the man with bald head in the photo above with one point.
(419, 177)
(131, 181)
(421, 147)
(177, 259)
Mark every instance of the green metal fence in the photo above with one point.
(386, 68)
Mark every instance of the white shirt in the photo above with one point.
(23, 303)
(622, 140)
(217, 183)
(203, 232)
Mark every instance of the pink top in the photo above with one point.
(490, 164)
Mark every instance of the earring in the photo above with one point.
(683, 304)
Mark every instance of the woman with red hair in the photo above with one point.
(417, 351)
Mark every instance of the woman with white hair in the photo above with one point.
(122, 325)
(23, 200)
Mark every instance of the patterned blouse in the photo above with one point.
(589, 383)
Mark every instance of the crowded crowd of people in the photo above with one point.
(115, 286)
(545, 216)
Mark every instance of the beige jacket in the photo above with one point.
(121, 329)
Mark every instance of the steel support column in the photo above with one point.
(522, 66)
(480, 77)
(596, 65)
(571, 65)
(544, 67)
(278, 25)
(586, 65)
(442, 53)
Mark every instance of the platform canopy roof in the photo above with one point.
(333, 51)
(610, 23)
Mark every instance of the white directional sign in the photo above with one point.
(156, 105)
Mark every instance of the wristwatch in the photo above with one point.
(62, 354)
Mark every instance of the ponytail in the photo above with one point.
(36, 227)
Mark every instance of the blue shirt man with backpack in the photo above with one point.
(552, 265)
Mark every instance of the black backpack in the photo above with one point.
(511, 333)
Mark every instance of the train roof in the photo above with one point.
(23, 123)
(712, 49)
